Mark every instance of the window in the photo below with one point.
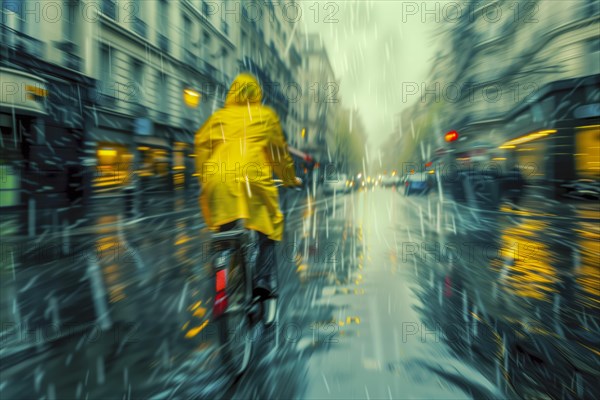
(69, 22)
(139, 26)
(13, 14)
(109, 8)
(187, 28)
(225, 27)
(137, 81)
(206, 45)
(223, 63)
(163, 91)
(106, 69)
(593, 56)
(162, 16)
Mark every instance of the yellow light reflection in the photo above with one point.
(195, 331)
(107, 153)
(531, 272)
(528, 138)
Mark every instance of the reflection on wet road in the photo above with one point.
(382, 296)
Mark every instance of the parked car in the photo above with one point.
(390, 180)
(337, 184)
(418, 182)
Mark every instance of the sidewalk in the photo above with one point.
(101, 212)
(533, 205)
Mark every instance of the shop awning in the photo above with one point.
(22, 92)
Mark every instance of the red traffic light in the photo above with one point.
(451, 136)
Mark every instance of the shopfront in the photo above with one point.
(183, 160)
(558, 137)
(181, 152)
(110, 151)
(154, 167)
(114, 168)
(23, 101)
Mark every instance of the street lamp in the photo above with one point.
(191, 97)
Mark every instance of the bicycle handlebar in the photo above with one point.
(279, 183)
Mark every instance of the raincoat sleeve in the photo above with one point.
(282, 162)
(202, 148)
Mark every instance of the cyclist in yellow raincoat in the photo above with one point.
(237, 150)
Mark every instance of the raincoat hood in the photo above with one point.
(244, 89)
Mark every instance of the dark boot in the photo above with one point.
(266, 275)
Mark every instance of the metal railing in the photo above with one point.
(19, 41)
(161, 117)
(163, 43)
(72, 61)
(189, 57)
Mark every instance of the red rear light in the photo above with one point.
(451, 136)
(221, 280)
(220, 304)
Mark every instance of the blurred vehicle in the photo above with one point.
(359, 182)
(417, 183)
(349, 184)
(389, 180)
(548, 146)
(337, 184)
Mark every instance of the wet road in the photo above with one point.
(382, 296)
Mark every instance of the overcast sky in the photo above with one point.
(372, 52)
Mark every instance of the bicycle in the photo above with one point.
(235, 310)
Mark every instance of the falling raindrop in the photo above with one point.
(429, 215)
(100, 370)
(576, 259)
(421, 219)
(51, 392)
(474, 325)
(579, 385)
(431, 278)
(465, 306)
(98, 294)
(334, 200)
(38, 375)
(439, 219)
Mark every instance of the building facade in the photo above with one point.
(498, 65)
(320, 101)
(104, 94)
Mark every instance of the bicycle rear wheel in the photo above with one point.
(234, 325)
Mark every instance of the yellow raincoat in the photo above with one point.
(237, 150)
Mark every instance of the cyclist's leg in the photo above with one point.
(266, 262)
